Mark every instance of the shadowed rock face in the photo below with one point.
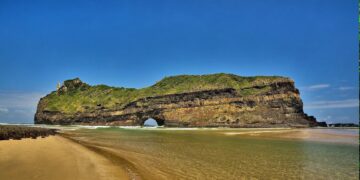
(279, 106)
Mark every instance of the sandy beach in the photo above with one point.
(54, 158)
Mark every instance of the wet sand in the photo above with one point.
(262, 153)
(344, 136)
(115, 153)
(54, 158)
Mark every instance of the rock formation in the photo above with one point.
(217, 100)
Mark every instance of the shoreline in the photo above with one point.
(68, 156)
(126, 165)
(79, 126)
(133, 169)
(54, 157)
(123, 158)
(172, 127)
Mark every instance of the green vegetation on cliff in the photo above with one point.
(75, 96)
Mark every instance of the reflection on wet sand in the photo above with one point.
(227, 153)
(349, 136)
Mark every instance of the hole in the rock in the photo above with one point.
(150, 122)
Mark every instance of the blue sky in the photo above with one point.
(135, 43)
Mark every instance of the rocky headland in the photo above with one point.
(216, 100)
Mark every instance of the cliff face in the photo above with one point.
(256, 102)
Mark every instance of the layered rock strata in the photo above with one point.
(278, 104)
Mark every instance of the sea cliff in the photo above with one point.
(216, 100)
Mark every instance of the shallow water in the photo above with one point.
(229, 153)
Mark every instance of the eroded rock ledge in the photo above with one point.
(259, 103)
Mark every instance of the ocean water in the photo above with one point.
(161, 153)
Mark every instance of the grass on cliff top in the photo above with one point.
(88, 98)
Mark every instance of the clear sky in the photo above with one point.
(135, 43)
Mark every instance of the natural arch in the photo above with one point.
(152, 122)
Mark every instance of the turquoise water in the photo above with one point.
(228, 154)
